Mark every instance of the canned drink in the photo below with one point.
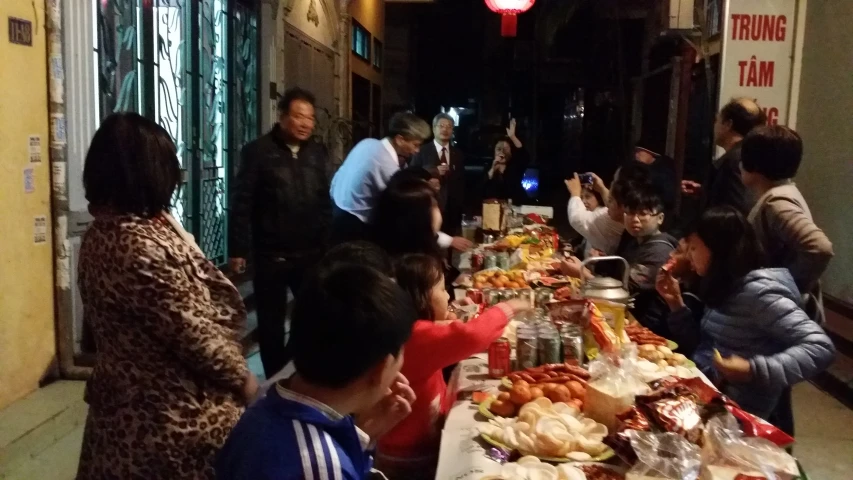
(503, 260)
(488, 238)
(499, 358)
(542, 296)
(550, 347)
(526, 294)
(492, 297)
(477, 261)
(527, 349)
(571, 337)
(490, 260)
(475, 295)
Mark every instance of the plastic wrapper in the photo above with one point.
(613, 313)
(757, 427)
(616, 382)
(620, 440)
(663, 456)
(712, 399)
(569, 311)
(728, 455)
(598, 336)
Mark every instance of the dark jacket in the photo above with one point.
(762, 322)
(507, 185)
(645, 258)
(283, 201)
(724, 185)
(452, 195)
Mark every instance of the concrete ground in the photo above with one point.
(40, 435)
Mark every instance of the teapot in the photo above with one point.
(607, 288)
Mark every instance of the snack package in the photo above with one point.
(616, 382)
(620, 440)
(663, 456)
(598, 336)
(574, 312)
(752, 426)
(614, 315)
(728, 455)
(758, 427)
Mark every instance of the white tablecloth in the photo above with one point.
(462, 456)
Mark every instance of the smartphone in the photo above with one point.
(585, 178)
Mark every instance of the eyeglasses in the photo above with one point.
(643, 216)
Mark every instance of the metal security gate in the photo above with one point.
(191, 65)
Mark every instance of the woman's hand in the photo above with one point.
(498, 165)
(668, 288)
(510, 131)
(574, 186)
(734, 369)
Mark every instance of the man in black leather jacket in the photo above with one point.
(281, 214)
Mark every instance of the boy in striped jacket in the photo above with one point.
(349, 327)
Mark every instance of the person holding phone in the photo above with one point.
(601, 227)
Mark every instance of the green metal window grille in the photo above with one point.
(190, 65)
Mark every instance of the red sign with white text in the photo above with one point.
(757, 54)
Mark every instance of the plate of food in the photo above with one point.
(496, 278)
(552, 431)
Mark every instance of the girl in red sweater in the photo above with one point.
(410, 450)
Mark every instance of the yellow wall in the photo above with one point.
(27, 341)
(371, 15)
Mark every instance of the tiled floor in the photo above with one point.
(40, 435)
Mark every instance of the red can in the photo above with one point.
(477, 261)
(475, 294)
(499, 351)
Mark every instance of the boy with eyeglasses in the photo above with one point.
(646, 250)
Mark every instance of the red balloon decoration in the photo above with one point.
(509, 9)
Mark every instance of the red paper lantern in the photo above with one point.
(509, 9)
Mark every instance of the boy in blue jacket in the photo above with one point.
(349, 327)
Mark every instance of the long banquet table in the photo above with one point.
(462, 456)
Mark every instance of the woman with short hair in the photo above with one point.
(170, 380)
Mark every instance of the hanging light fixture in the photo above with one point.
(509, 9)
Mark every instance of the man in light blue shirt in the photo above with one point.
(366, 171)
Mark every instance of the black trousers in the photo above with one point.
(346, 227)
(273, 277)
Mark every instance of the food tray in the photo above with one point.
(607, 455)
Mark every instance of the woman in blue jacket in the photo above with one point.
(752, 316)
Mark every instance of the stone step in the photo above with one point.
(34, 424)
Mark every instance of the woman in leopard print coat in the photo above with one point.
(170, 380)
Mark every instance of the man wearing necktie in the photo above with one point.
(450, 163)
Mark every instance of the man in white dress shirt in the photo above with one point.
(365, 174)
